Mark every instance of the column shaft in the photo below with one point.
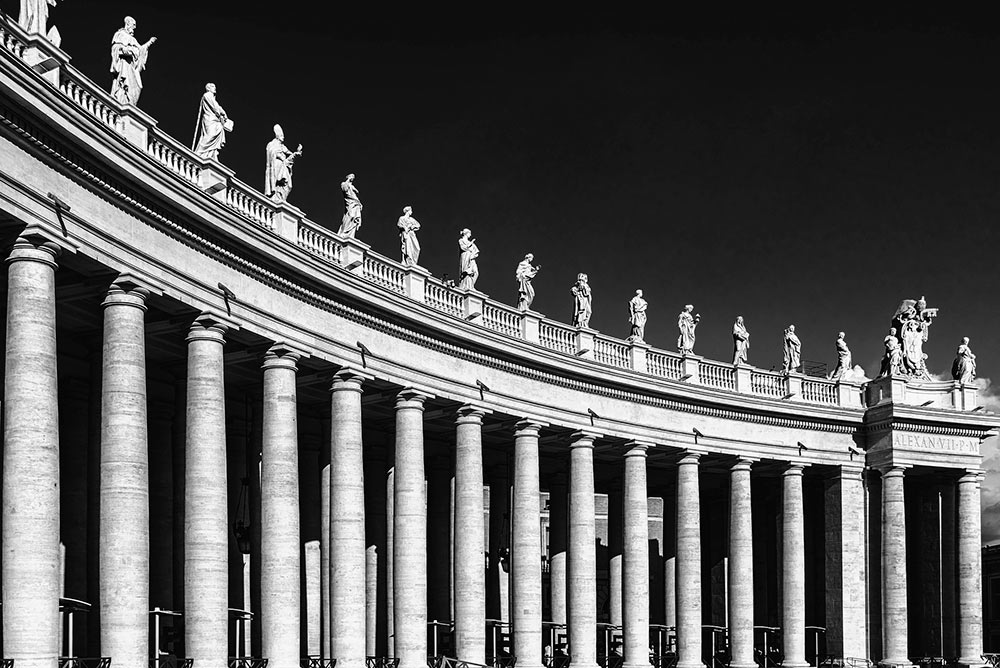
(31, 460)
(206, 528)
(279, 513)
(740, 566)
(793, 571)
(526, 550)
(581, 573)
(409, 548)
(348, 542)
(124, 516)
(845, 564)
(970, 570)
(688, 578)
(470, 584)
(558, 524)
(635, 559)
(894, 613)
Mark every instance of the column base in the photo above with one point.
(694, 664)
(794, 664)
(751, 664)
(895, 663)
(971, 662)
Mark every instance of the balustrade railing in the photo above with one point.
(444, 299)
(819, 391)
(611, 351)
(767, 384)
(316, 662)
(664, 365)
(86, 96)
(503, 319)
(557, 336)
(319, 241)
(245, 200)
(382, 273)
(172, 155)
(718, 375)
(381, 662)
(13, 43)
(84, 662)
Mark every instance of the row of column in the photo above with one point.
(30, 543)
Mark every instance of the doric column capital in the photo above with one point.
(892, 471)
(280, 356)
(35, 249)
(690, 457)
(794, 469)
(583, 439)
(126, 290)
(528, 427)
(637, 448)
(743, 463)
(471, 414)
(349, 379)
(208, 327)
(410, 397)
(972, 476)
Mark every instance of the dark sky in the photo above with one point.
(789, 168)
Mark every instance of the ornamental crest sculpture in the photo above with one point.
(912, 322)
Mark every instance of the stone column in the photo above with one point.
(470, 542)
(526, 549)
(688, 577)
(206, 523)
(740, 565)
(557, 548)
(324, 534)
(615, 552)
(581, 572)
(31, 460)
(793, 571)
(409, 543)
(894, 622)
(279, 511)
(635, 559)
(124, 516)
(347, 522)
(970, 570)
(845, 563)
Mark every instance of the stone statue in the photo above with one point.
(524, 273)
(964, 368)
(741, 341)
(278, 177)
(912, 321)
(128, 60)
(468, 267)
(582, 301)
(686, 324)
(892, 359)
(637, 317)
(210, 130)
(845, 366)
(408, 243)
(351, 222)
(34, 17)
(793, 351)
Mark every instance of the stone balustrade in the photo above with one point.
(473, 307)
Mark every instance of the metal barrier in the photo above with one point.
(930, 661)
(668, 660)
(992, 659)
(84, 662)
(502, 661)
(381, 662)
(449, 662)
(316, 662)
(171, 662)
(832, 661)
(717, 646)
(819, 638)
(247, 662)
(8, 663)
(767, 653)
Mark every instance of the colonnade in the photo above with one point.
(31, 570)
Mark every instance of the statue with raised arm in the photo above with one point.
(741, 341)
(686, 324)
(964, 368)
(892, 358)
(34, 17)
(408, 243)
(351, 222)
(278, 176)
(523, 274)
(845, 366)
(582, 300)
(792, 358)
(468, 272)
(637, 317)
(128, 60)
(210, 131)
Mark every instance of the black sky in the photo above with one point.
(798, 169)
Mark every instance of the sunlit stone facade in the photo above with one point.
(215, 407)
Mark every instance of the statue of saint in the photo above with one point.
(964, 368)
(523, 274)
(686, 324)
(582, 299)
(912, 321)
(128, 60)
(741, 341)
(408, 243)
(468, 267)
(637, 317)
(351, 222)
(210, 131)
(845, 365)
(792, 359)
(278, 176)
(892, 359)
(34, 17)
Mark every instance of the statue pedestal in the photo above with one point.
(743, 384)
(414, 281)
(887, 389)
(286, 221)
(637, 356)
(214, 177)
(691, 365)
(529, 326)
(352, 254)
(474, 305)
(849, 394)
(45, 57)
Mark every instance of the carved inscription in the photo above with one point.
(935, 443)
